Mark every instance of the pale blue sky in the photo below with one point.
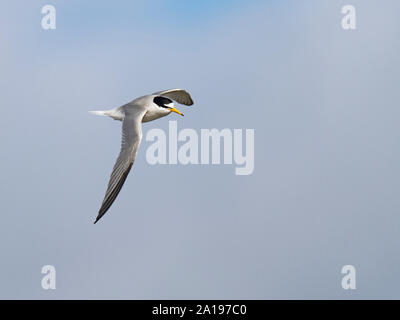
(324, 106)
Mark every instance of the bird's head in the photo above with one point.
(166, 105)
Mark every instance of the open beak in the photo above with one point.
(176, 111)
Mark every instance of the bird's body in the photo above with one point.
(132, 114)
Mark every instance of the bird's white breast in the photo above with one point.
(155, 112)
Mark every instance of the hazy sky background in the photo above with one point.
(324, 103)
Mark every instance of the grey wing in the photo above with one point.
(179, 95)
(131, 137)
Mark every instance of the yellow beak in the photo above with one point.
(176, 111)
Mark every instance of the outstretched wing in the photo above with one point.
(179, 95)
(131, 137)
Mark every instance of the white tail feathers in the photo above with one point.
(99, 113)
(116, 114)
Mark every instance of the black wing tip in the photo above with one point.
(191, 102)
(100, 215)
(111, 198)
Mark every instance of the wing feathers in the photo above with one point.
(179, 95)
(113, 195)
(131, 137)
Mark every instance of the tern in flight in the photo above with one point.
(132, 114)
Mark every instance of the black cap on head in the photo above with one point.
(162, 101)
